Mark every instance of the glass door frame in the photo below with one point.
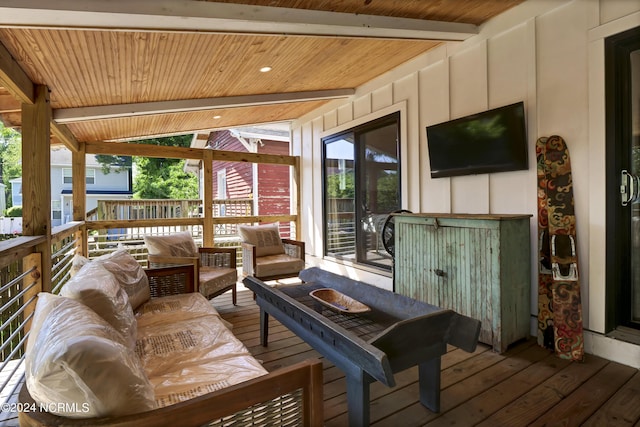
(394, 117)
(618, 155)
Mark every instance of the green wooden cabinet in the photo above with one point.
(477, 265)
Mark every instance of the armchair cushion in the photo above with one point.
(214, 279)
(278, 265)
(266, 238)
(179, 244)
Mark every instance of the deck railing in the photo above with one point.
(124, 223)
(21, 265)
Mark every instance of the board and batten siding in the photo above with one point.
(549, 55)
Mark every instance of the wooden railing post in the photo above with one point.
(207, 199)
(33, 260)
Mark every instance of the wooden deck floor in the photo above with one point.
(527, 385)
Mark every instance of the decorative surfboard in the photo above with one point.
(559, 303)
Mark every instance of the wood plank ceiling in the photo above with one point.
(126, 70)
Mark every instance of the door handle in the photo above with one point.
(629, 186)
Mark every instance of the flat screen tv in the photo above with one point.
(491, 141)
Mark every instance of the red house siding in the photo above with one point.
(273, 189)
(273, 185)
(239, 175)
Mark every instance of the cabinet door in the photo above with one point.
(468, 269)
(417, 258)
(452, 265)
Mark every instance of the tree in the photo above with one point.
(108, 161)
(10, 158)
(162, 178)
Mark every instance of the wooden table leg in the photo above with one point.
(429, 378)
(358, 398)
(264, 327)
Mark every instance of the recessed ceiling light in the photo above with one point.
(217, 117)
(265, 69)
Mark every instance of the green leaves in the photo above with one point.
(162, 178)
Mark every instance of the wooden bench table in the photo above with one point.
(397, 333)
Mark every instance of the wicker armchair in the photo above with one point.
(268, 257)
(214, 269)
(174, 280)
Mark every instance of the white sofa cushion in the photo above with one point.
(79, 367)
(99, 290)
(172, 308)
(127, 271)
(192, 356)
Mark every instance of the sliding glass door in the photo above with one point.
(623, 181)
(362, 186)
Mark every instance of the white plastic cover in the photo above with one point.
(192, 356)
(79, 366)
(172, 308)
(127, 271)
(99, 290)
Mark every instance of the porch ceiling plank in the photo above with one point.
(149, 67)
(14, 79)
(102, 112)
(227, 18)
(64, 135)
(133, 128)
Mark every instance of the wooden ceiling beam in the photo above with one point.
(9, 103)
(70, 115)
(142, 150)
(223, 18)
(14, 79)
(148, 150)
(62, 133)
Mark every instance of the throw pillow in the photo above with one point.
(266, 238)
(177, 244)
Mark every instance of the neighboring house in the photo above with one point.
(16, 191)
(266, 184)
(114, 185)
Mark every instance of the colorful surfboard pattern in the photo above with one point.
(559, 303)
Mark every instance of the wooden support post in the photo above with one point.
(207, 199)
(36, 176)
(79, 194)
(79, 183)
